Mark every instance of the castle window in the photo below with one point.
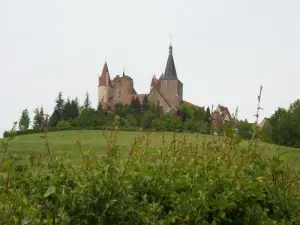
(168, 83)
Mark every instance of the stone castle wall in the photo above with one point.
(122, 87)
(172, 91)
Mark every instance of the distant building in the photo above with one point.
(167, 90)
(221, 116)
(263, 122)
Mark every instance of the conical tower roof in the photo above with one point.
(104, 79)
(170, 72)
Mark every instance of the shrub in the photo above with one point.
(213, 182)
(63, 124)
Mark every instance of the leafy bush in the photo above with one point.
(64, 124)
(213, 182)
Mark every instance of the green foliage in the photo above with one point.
(208, 120)
(245, 129)
(87, 102)
(24, 120)
(145, 105)
(135, 105)
(88, 118)
(100, 109)
(70, 110)
(212, 182)
(38, 119)
(284, 126)
(63, 124)
(58, 110)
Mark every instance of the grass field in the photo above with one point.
(208, 182)
(63, 143)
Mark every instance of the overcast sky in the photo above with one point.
(223, 50)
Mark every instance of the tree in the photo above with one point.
(54, 118)
(158, 109)
(285, 126)
(135, 105)
(24, 120)
(75, 108)
(37, 120)
(63, 124)
(208, 120)
(100, 109)
(58, 111)
(42, 117)
(71, 110)
(208, 116)
(60, 102)
(244, 129)
(138, 106)
(145, 105)
(87, 102)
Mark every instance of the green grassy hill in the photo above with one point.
(63, 143)
(197, 181)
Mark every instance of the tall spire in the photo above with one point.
(104, 79)
(170, 72)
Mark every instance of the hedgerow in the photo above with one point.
(182, 182)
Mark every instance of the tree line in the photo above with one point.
(282, 128)
(68, 113)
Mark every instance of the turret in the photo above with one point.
(122, 87)
(105, 88)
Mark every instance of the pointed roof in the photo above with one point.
(104, 79)
(170, 72)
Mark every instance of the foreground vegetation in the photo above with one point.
(205, 181)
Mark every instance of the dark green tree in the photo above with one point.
(135, 105)
(158, 109)
(67, 111)
(71, 110)
(24, 120)
(208, 121)
(138, 106)
(58, 111)
(75, 108)
(87, 102)
(208, 116)
(42, 117)
(100, 109)
(145, 105)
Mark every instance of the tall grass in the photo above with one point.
(208, 182)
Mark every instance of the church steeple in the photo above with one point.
(170, 71)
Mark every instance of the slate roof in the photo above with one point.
(170, 72)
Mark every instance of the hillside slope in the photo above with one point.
(63, 143)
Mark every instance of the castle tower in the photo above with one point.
(170, 86)
(122, 87)
(105, 88)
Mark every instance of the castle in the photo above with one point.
(166, 91)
